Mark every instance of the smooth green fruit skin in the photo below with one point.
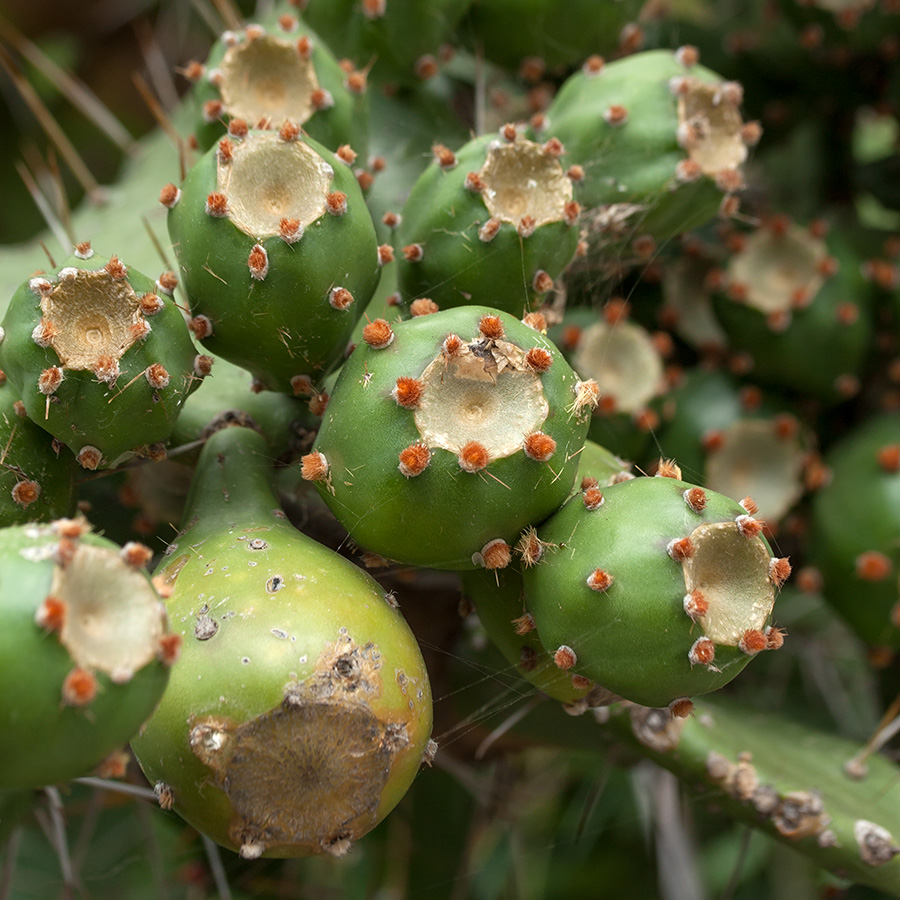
(635, 162)
(634, 637)
(458, 268)
(858, 511)
(27, 453)
(242, 671)
(84, 411)
(283, 325)
(444, 515)
(346, 122)
(44, 740)
(497, 597)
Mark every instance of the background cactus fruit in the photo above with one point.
(447, 435)
(85, 647)
(654, 588)
(660, 140)
(37, 481)
(267, 73)
(493, 225)
(300, 710)
(401, 40)
(101, 358)
(796, 309)
(737, 440)
(855, 541)
(278, 254)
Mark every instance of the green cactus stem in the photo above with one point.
(85, 646)
(300, 710)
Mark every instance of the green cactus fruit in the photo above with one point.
(855, 542)
(401, 40)
(447, 435)
(278, 254)
(268, 73)
(497, 598)
(625, 361)
(536, 35)
(736, 440)
(101, 357)
(300, 710)
(598, 466)
(796, 309)
(660, 142)
(654, 588)
(85, 646)
(492, 225)
(37, 482)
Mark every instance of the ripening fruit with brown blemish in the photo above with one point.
(565, 657)
(314, 467)
(473, 456)
(414, 459)
(79, 687)
(408, 392)
(539, 446)
(872, 565)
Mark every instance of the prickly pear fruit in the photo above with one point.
(100, 356)
(85, 647)
(856, 529)
(654, 588)
(493, 225)
(269, 72)
(300, 710)
(278, 254)
(660, 140)
(448, 434)
(400, 39)
(796, 309)
(37, 482)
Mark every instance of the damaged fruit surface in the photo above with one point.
(300, 711)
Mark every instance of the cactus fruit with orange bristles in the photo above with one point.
(86, 650)
(439, 446)
(658, 589)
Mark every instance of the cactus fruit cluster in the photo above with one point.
(505, 384)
